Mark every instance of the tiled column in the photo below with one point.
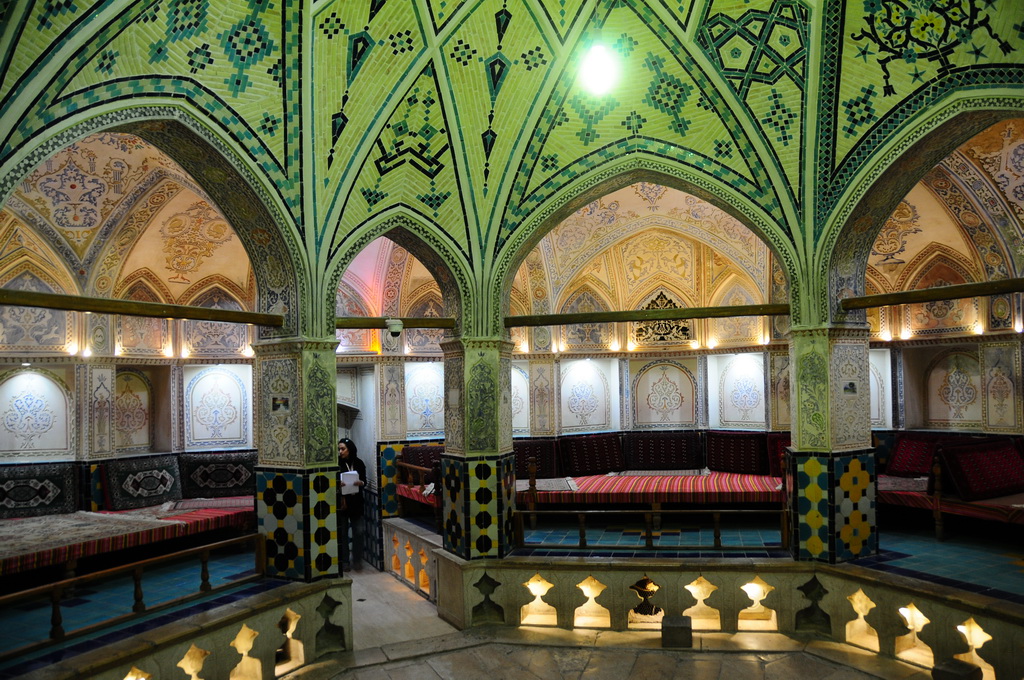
(296, 478)
(95, 388)
(831, 472)
(478, 466)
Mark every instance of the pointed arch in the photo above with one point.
(884, 179)
(585, 336)
(426, 244)
(241, 191)
(214, 338)
(639, 167)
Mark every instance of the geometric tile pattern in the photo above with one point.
(833, 507)
(279, 500)
(455, 506)
(478, 504)
(856, 533)
(297, 516)
(811, 514)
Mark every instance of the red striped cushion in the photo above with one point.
(717, 487)
(413, 493)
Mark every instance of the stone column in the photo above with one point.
(831, 469)
(296, 477)
(478, 466)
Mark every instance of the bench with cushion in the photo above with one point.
(737, 461)
(132, 502)
(418, 478)
(979, 477)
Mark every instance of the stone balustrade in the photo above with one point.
(256, 638)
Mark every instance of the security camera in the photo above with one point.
(394, 327)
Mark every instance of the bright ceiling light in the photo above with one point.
(599, 71)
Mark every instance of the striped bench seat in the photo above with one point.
(414, 492)
(713, 488)
(993, 509)
(35, 542)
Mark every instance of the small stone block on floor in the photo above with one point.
(955, 669)
(676, 631)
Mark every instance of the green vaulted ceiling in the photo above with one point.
(467, 119)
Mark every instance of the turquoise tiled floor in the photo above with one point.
(977, 556)
(29, 621)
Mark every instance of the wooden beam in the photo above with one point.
(964, 290)
(381, 321)
(647, 315)
(76, 303)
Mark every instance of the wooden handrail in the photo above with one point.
(724, 311)
(55, 591)
(158, 310)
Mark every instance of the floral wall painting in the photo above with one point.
(1001, 368)
(424, 398)
(586, 395)
(954, 391)
(34, 412)
(520, 398)
(740, 390)
(879, 377)
(218, 412)
(133, 418)
(664, 396)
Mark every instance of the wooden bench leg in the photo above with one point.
(656, 509)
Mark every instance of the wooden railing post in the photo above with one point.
(56, 619)
(204, 572)
(139, 605)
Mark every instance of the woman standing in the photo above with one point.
(350, 506)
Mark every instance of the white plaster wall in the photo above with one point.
(589, 395)
(218, 406)
(520, 397)
(736, 397)
(664, 393)
(347, 386)
(424, 399)
(880, 380)
(364, 428)
(36, 417)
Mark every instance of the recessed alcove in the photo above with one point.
(538, 612)
(909, 647)
(702, 616)
(975, 637)
(859, 632)
(591, 614)
(757, 616)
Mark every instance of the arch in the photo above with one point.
(663, 396)
(585, 336)
(36, 414)
(214, 338)
(429, 246)
(138, 335)
(645, 334)
(884, 180)
(133, 411)
(953, 391)
(236, 186)
(427, 302)
(638, 167)
(746, 330)
(348, 302)
(41, 330)
(942, 316)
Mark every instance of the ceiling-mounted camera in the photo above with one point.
(394, 327)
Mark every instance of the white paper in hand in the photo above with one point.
(350, 479)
